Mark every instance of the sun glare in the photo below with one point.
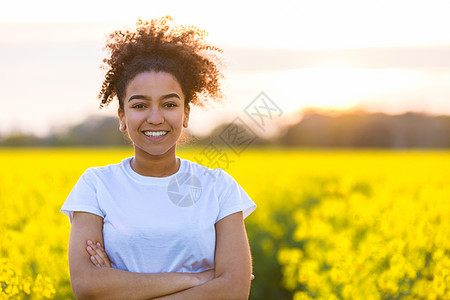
(336, 86)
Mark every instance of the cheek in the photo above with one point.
(134, 116)
(176, 118)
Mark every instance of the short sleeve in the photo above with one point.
(232, 197)
(83, 197)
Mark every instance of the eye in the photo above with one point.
(170, 105)
(138, 106)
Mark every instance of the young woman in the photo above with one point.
(171, 228)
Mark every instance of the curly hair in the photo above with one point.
(157, 46)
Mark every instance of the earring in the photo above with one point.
(122, 126)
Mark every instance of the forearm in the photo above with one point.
(220, 287)
(232, 263)
(109, 283)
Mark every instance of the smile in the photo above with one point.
(155, 133)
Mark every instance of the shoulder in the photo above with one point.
(203, 173)
(230, 196)
(105, 171)
(220, 181)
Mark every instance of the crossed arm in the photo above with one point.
(97, 280)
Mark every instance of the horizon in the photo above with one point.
(278, 125)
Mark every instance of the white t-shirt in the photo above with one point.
(158, 224)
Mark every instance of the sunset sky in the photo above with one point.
(378, 56)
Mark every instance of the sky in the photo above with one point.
(378, 56)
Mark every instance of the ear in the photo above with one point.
(187, 111)
(122, 120)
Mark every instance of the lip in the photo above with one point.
(155, 130)
(156, 138)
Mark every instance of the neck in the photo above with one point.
(155, 165)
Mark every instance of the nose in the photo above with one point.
(155, 116)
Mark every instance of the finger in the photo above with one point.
(94, 261)
(90, 250)
(100, 256)
(92, 256)
(97, 251)
(95, 257)
(104, 257)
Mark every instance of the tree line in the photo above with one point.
(408, 130)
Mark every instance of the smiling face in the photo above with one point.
(154, 113)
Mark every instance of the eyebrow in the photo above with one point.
(171, 95)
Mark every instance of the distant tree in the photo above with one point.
(20, 140)
(314, 130)
(369, 130)
(233, 134)
(95, 131)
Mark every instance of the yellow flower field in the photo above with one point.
(330, 224)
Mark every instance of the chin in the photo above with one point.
(156, 151)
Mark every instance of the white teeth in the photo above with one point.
(155, 133)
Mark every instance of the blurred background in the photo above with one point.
(380, 68)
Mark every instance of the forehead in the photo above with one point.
(153, 83)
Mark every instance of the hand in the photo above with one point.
(98, 255)
(208, 275)
(205, 276)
